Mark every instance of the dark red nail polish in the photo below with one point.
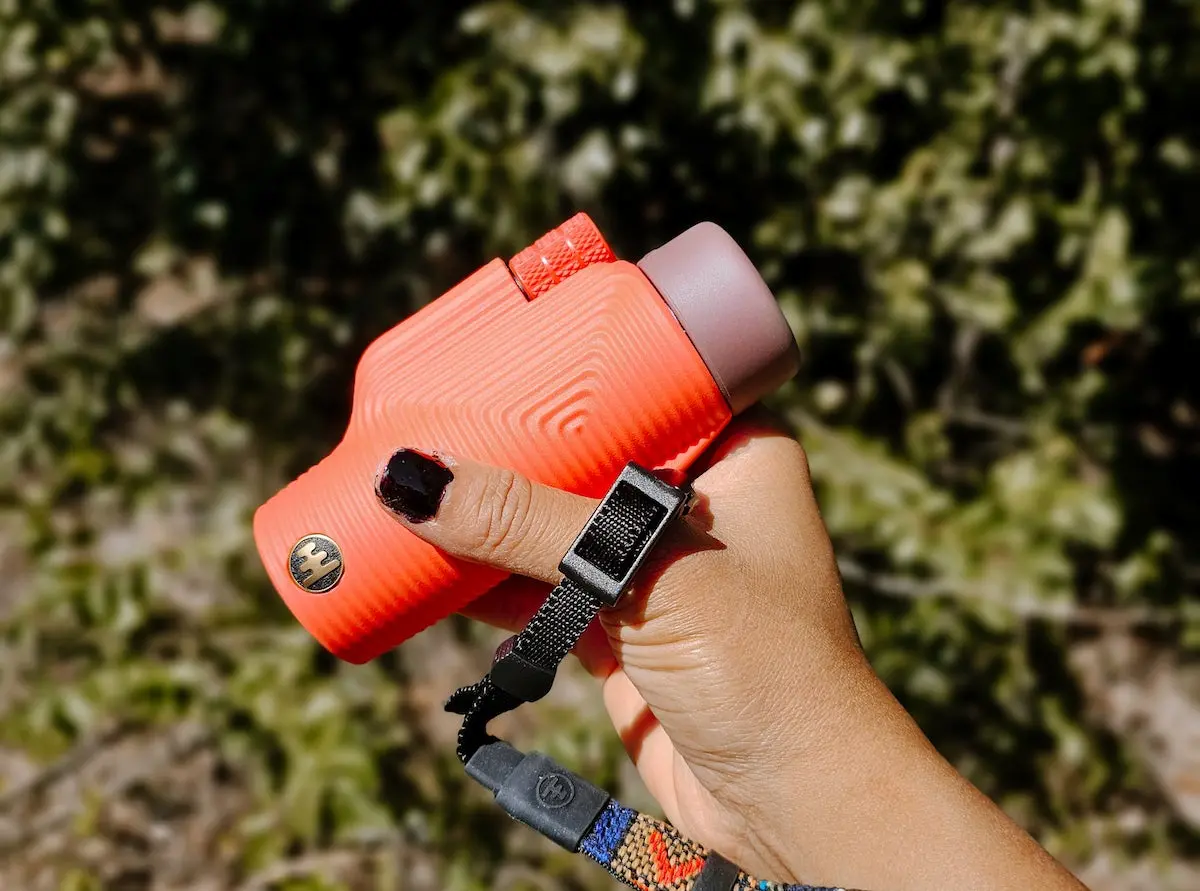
(412, 485)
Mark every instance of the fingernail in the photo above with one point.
(412, 485)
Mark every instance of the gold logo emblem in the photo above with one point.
(316, 564)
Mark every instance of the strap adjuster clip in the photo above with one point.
(519, 677)
(597, 570)
(622, 532)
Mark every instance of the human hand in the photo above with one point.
(733, 673)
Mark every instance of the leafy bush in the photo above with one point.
(978, 216)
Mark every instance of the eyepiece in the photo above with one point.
(727, 310)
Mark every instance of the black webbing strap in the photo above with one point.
(597, 571)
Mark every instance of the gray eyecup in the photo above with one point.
(727, 310)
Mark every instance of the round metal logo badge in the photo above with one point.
(316, 564)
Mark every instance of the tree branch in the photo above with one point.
(1026, 609)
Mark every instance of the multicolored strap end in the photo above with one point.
(649, 855)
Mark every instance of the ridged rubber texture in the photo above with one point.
(565, 389)
(559, 254)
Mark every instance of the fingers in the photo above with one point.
(759, 473)
(757, 446)
(483, 513)
(756, 423)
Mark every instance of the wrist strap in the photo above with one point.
(640, 851)
(647, 854)
(597, 571)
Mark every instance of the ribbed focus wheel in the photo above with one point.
(559, 254)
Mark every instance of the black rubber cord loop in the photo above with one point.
(479, 704)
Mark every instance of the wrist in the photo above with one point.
(803, 781)
(877, 807)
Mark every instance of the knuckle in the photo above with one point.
(802, 463)
(504, 513)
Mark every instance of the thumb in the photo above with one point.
(482, 513)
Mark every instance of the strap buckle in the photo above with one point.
(597, 571)
(622, 532)
(522, 678)
(601, 563)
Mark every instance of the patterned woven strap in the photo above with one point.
(649, 855)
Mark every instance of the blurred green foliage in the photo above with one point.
(979, 216)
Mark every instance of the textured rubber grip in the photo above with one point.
(565, 389)
(558, 255)
(563, 365)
